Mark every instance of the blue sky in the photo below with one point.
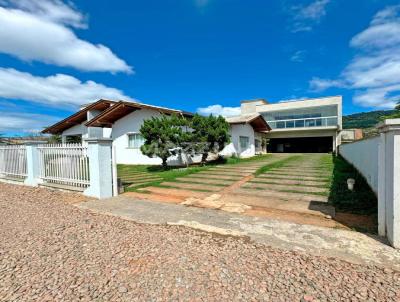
(195, 55)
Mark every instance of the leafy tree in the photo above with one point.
(394, 114)
(163, 135)
(209, 133)
(54, 139)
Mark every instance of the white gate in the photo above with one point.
(64, 164)
(13, 161)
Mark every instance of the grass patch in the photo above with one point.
(236, 160)
(288, 191)
(169, 174)
(360, 201)
(200, 183)
(277, 164)
(306, 193)
(173, 187)
(298, 185)
(278, 176)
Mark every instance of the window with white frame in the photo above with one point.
(244, 142)
(135, 140)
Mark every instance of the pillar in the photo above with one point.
(389, 181)
(100, 168)
(32, 163)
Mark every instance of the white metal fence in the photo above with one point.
(65, 164)
(13, 161)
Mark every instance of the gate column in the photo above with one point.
(389, 181)
(100, 168)
(32, 163)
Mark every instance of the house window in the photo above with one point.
(135, 140)
(244, 142)
(257, 143)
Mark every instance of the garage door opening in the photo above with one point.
(301, 145)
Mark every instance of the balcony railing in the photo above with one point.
(304, 122)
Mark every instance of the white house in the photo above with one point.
(310, 125)
(247, 134)
(300, 126)
(122, 120)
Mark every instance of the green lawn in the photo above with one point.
(171, 173)
(165, 175)
(362, 200)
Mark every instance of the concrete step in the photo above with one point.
(210, 176)
(189, 186)
(289, 206)
(279, 187)
(223, 173)
(171, 192)
(130, 174)
(288, 182)
(241, 170)
(300, 172)
(142, 177)
(206, 181)
(281, 195)
(139, 183)
(293, 177)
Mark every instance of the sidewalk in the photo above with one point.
(351, 246)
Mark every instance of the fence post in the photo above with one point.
(32, 163)
(100, 169)
(389, 181)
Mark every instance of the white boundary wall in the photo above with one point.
(364, 155)
(378, 160)
(71, 166)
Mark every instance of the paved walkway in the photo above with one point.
(348, 245)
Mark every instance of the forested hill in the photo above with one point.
(364, 119)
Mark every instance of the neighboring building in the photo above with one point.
(247, 134)
(351, 135)
(310, 125)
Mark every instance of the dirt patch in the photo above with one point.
(366, 223)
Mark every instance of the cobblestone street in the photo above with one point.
(51, 250)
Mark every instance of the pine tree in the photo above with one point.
(162, 135)
(211, 133)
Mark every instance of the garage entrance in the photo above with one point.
(321, 144)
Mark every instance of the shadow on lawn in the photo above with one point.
(356, 209)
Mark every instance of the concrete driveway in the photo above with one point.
(295, 188)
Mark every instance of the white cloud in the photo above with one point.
(40, 33)
(25, 122)
(318, 84)
(219, 110)
(374, 72)
(52, 90)
(304, 17)
(298, 56)
(53, 10)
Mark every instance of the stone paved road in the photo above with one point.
(53, 251)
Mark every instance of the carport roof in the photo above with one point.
(78, 117)
(123, 108)
(256, 120)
